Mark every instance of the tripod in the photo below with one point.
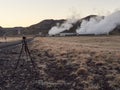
(27, 52)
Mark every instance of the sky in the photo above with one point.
(24, 13)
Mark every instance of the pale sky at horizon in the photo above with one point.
(27, 12)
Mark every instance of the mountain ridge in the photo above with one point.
(44, 26)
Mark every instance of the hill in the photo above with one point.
(44, 26)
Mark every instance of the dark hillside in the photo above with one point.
(42, 27)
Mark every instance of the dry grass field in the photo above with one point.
(88, 62)
(64, 63)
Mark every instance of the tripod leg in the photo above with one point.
(30, 55)
(19, 57)
(26, 52)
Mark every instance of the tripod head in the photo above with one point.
(24, 38)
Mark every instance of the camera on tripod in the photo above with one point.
(25, 49)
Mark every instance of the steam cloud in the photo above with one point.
(60, 28)
(98, 25)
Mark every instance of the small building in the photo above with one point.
(68, 34)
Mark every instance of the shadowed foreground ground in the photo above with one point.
(64, 63)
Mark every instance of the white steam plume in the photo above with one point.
(97, 25)
(60, 28)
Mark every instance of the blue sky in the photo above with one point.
(28, 12)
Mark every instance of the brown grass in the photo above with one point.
(89, 63)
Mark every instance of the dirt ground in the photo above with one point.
(9, 39)
(64, 63)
